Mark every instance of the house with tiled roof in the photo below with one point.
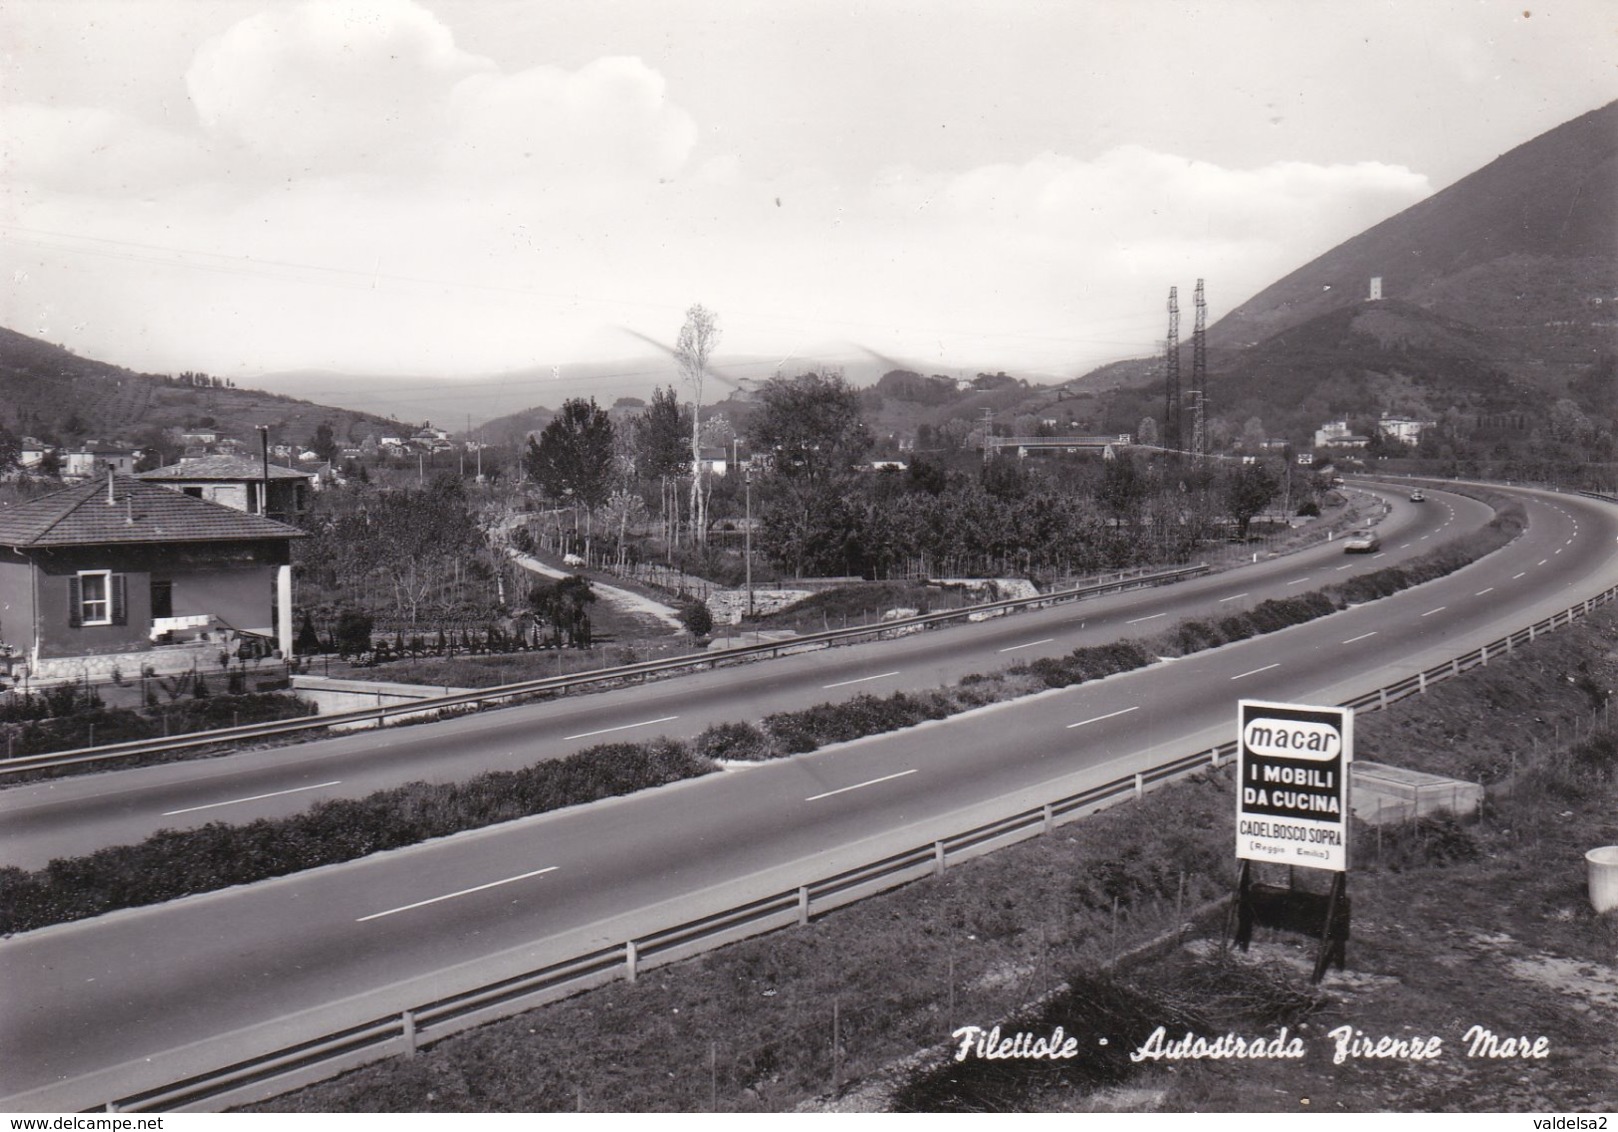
(239, 482)
(118, 570)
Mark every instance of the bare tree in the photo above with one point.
(698, 337)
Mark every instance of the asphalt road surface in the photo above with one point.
(73, 816)
(104, 1007)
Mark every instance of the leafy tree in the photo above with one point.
(813, 424)
(10, 449)
(1122, 489)
(572, 458)
(660, 434)
(323, 444)
(1248, 490)
(562, 604)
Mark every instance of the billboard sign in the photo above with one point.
(1292, 764)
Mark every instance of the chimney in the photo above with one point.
(110, 498)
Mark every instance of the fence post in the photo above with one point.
(1483, 656)
(938, 858)
(1050, 817)
(409, 1021)
(803, 905)
(1455, 667)
(1140, 786)
(1382, 697)
(1421, 683)
(1530, 634)
(631, 960)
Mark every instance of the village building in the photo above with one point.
(94, 460)
(1405, 430)
(1335, 434)
(123, 572)
(239, 482)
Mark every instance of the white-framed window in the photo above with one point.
(96, 597)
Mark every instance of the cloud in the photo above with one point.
(87, 149)
(379, 88)
(327, 88)
(1131, 193)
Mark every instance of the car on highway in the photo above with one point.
(1417, 497)
(1361, 542)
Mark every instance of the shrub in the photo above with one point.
(174, 863)
(697, 619)
(353, 632)
(733, 741)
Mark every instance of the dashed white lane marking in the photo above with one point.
(1296, 581)
(1256, 671)
(1374, 557)
(1430, 612)
(1361, 637)
(1524, 574)
(1029, 645)
(861, 680)
(857, 785)
(1542, 562)
(453, 895)
(1480, 593)
(254, 798)
(1232, 597)
(1151, 617)
(625, 727)
(1099, 718)
(1350, 566)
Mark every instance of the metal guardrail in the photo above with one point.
(294, 1066)
(506, 692)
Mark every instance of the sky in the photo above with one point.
(455, 188)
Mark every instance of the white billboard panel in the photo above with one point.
(1292, 766)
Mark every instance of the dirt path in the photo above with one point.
(622, 599)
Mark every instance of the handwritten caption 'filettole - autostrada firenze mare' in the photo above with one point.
(1346, 1044)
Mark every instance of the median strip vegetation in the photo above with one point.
(170, 864)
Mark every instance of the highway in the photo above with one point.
(136, 998)
(72, 816)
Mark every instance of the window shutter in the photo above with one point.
(75, 607)
(120, 607)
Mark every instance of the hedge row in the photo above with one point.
(171, 863)
(120, 725)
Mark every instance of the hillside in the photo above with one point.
(1522, 251)
(1498, 298)
(54, 394)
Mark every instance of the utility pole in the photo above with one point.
(1171, 383)
(1199, 377)
(747, 535)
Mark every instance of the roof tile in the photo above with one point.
(139, 513)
